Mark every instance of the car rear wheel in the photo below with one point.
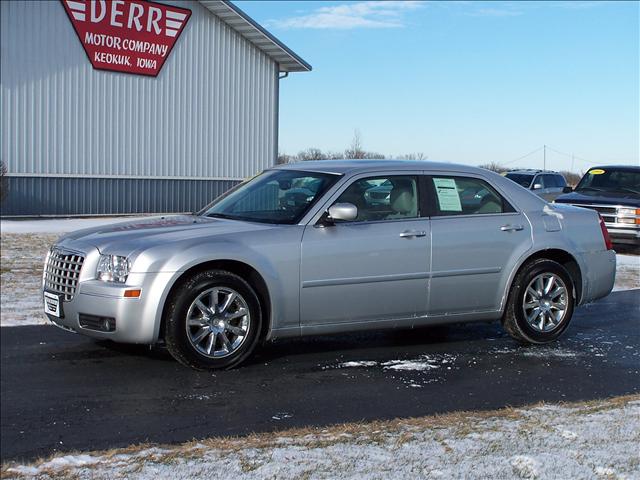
(213, 321)
(541, 302)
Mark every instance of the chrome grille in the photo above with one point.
(61, 273)
(610, 214)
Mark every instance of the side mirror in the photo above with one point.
(343, 211)
(537, 186)
(567, 189)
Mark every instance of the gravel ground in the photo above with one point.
(627, 272)
(22, 259)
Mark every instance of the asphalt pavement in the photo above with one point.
(64, 392)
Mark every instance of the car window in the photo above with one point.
(520, 178)
(611, 180)
(274, 196)
(383, 198)
(466, 196)
(540, 181)
(551, 181)
(558, 181)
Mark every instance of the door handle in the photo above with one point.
(413, 233)
(511, 228)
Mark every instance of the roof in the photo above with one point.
(633, 168)
(357, 166)
(531, 171)
(287, 60)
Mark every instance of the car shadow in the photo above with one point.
(397, 341)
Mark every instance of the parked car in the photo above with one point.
(614, 192)
(249, 267)
(544, 183)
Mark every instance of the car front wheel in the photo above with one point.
(541, 302)
(213, 321)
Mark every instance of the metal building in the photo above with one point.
(79, 140)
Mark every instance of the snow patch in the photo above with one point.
(406, 365)
(364, 363)
(628, 260)
(627, 272)
(542, 352)
(604, 471)
(58, 463)
(524, 466)
(281, 416)
(568, 434)
(538, 351)
(420, 364)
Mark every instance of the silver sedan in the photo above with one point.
(332, 246)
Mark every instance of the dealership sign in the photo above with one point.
(132, 36)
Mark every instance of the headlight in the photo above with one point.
(113, 268)
(44, 268)
(627, 211)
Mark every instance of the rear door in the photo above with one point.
(476, 237)
(373, 268)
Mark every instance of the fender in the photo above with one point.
(270, 254)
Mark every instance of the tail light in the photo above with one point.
(605, 234)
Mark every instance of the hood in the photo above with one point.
(602, 198)
(127, 237)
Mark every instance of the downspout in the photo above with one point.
(277, 115)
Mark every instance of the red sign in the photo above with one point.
(132, 36)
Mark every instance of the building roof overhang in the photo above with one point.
(287, 60)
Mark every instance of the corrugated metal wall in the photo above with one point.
(210, 114)
(100, 196)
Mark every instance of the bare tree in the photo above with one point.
(311, 154)
(355, 150)
(572, 178)
(284, 158)
(334, 156)
(413, 156)
(494, 167)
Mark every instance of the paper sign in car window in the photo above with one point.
(596, 171)
(448, 197)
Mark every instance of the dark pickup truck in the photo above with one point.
(614, 192)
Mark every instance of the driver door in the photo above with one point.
(374, 268)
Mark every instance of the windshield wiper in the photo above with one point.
(221, 215)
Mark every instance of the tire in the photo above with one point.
(219, 338)
(544, 324)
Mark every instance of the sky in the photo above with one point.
(464, 82)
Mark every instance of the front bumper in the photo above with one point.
(137, 320)
(627, 236)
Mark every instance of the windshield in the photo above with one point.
(520, 178)
(602, 179)
(274, 196)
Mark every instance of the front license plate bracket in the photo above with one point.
(53, 305)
